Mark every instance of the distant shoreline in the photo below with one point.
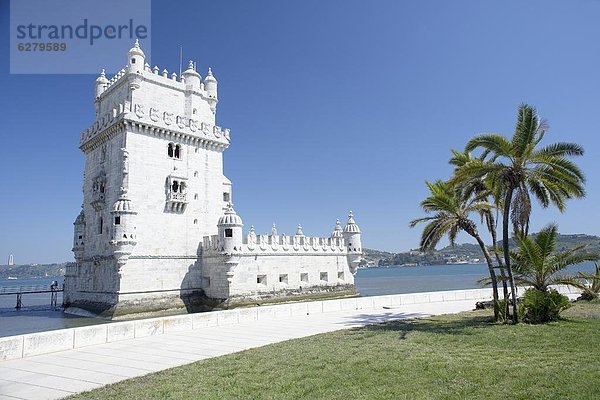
(420, 265)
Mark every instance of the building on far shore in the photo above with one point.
(11, 260)
(158, 230)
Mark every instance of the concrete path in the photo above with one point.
(55, 375)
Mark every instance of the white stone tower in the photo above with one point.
(157, 229)
(153, 188)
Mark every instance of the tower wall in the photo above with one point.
(176, 193)
(269, 266)
(277, 275)
(161, 229)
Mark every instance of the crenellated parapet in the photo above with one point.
(116, 78)
(292, 244)
(127, 97)
(137, 69)
(279, 244)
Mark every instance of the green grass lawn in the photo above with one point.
(447, 357)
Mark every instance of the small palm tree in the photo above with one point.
(536, 263)
(452, 209)
(518, 167)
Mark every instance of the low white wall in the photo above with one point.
(65, 339)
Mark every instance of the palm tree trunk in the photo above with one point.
(506, 216)
(488, 259)
(492, 228)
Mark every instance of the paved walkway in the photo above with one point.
(60, 374)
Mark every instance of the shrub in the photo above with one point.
(543, 306)
(588, 295)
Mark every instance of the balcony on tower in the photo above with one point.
(98, 191)
(176, 193)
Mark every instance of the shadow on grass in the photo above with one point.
(405, 323)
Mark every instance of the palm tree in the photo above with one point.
(452, 209)
(477, 187)
(518, 167)
(536, 264)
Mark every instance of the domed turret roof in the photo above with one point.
(191, 70)
(351, 226)
(337, 232)
(102, 78)
(230, 218)
(123, 204)
(80, 220)
(210, 76)
(136, 50)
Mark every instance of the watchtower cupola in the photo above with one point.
(136, 58)
(123, 227)
(210, 85)
(191, 77)
(352, 237)
(230, 231)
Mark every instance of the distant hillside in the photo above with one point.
(372, 257)
(566, 242)
(466, 252)
(32, 271)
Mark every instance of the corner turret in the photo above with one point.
(230, 231)
(338, 233)
(101, 83)
(352, 236)
(191, 77)
(78, 236)
(123, 228)
(136, 58)
(210, 85)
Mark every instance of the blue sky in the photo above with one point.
(333, 105)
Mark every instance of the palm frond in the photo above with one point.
(526, 130)
(491, 142)
(561, 149)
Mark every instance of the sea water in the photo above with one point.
(37, 315)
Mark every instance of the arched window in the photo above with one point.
(175, 186)
(170, 150)
(177, 151)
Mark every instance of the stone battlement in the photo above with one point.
(117, 77)
(155, 76)
(282, 244)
